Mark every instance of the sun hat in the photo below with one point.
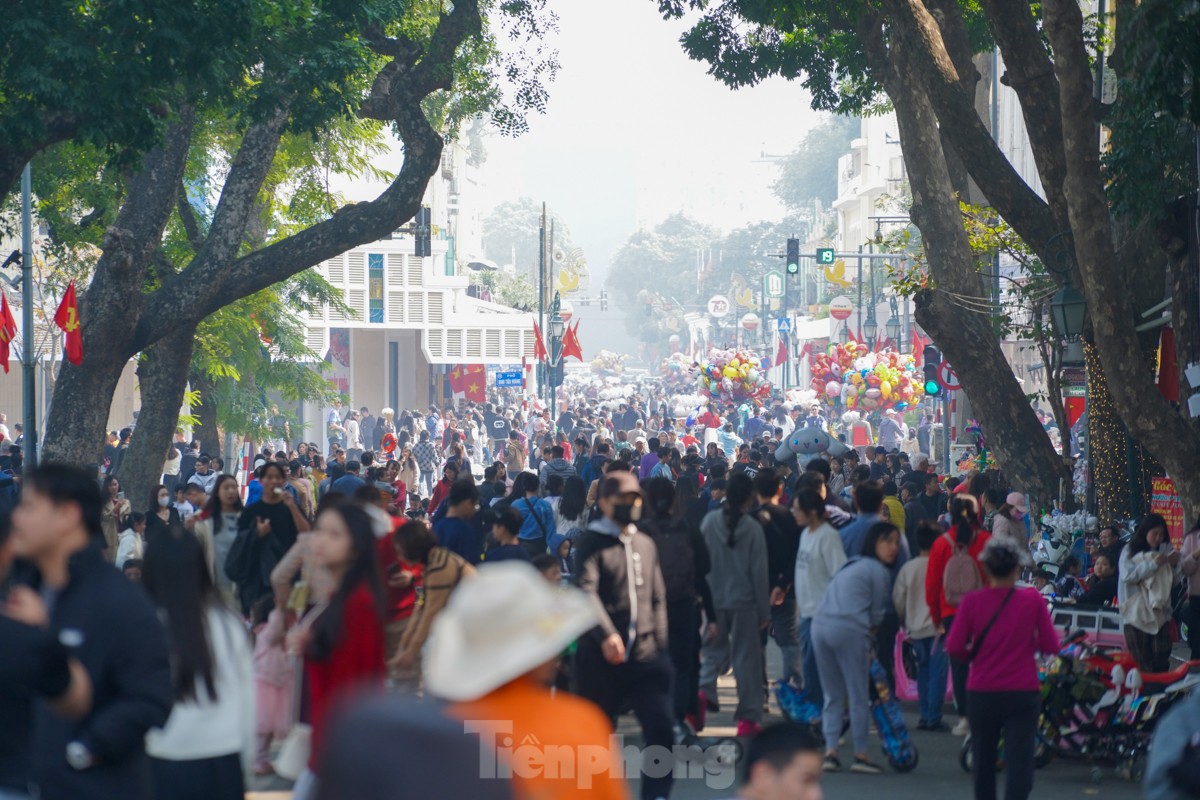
(1017, 501)
(498, 626)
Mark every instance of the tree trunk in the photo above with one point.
(1151, 420)
(162, 379)
(965, 336)
(79, 409)
(206, 428)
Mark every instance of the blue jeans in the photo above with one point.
(808, 666)
(932, 664)
(785, 629)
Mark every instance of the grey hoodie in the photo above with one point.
(858, 596)
(739, 578)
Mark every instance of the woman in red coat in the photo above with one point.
(343, 642)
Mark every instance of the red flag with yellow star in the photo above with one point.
(456, 380)
(570, 347)
(67, 318)
(475, 384)
(8, 329)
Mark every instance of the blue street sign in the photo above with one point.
(510, 380)
(784, 324)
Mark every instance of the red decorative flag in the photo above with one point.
(474, 384)
(8, 329)
(539, 351)
(571, 343)
(457, 381)
(782, 353)
(67, 318)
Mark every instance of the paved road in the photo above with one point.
(937, 776)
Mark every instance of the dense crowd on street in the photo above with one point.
(531, 576)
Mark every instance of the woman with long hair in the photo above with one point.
(1149, 570)
(207, 745)
(161, 515)
(569, 509)
(217, 529)
(113, 514)
(740, 586)
(1000, 631)
(949, 579)
(853, 605)
(341, 640)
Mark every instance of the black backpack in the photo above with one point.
(676, 558)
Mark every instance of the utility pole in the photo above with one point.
(28, 392)
(541, 383)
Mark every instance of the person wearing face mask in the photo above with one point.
(161, 515)
(623, 662)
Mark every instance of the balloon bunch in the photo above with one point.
(733, 376)
(864, 380)
(804, 398)
(687, 407)
(678, 373)
(607, 362)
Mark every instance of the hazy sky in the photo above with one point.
(635, 131)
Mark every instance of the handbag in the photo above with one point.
(297, 745)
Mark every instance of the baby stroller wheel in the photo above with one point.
(966, 757)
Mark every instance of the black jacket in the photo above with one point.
(109, 624)
(783, 542)
(601, 570)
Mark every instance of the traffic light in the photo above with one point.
(793, 256)
(932, 358)
(423, 230)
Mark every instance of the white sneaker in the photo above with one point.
(962, 727)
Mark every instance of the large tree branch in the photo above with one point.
(114, 295)
(208, 284)
(1030, 74)
(240, 192)
(961, 124)
(1130, 380)
(56, 126)
(187, 216)
(964, 334)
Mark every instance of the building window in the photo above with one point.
(375, 285)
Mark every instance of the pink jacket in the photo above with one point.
(271, 664)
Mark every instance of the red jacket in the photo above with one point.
(357, 663)
(939, 556)
(441, 491)
(400, 602)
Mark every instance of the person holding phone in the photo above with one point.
(114, 513)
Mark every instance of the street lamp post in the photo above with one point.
(844, 333)
(892, 330)
(870, 328)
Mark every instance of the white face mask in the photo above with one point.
(164, 500)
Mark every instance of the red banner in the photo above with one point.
(1164, 500)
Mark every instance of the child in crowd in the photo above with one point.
(131, 544)
(273, 679)
(1044, 582)
(908, 595)
(132, 568)
(564, 560)
(1069, 585)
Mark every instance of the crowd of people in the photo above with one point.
(538, 573)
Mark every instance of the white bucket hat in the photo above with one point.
(498, 626)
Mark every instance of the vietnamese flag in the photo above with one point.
(782, 353)
(474, 383)
(539, 351)
(456, 381)
(67, 318)
(571, 345)
(8, 329)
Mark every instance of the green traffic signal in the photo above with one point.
(932, 388)
(825, 255)
(793, 256)
(793, 268)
